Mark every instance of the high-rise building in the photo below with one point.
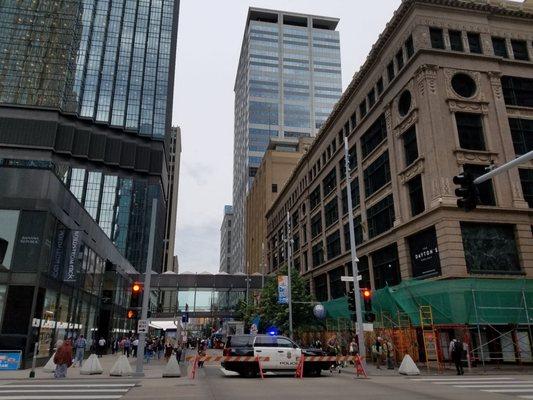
(288, 80)
(85, 111)
(226, 240)
(435, 97)
(281, 157)
(174, 154)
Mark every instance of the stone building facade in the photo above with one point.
(448, 87)
(281, 157)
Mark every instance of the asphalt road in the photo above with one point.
(213, 384)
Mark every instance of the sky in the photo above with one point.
(210, 33)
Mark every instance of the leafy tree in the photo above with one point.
(274, 314)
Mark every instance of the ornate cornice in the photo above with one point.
(474, 156)
(468, 106)
(412, 170)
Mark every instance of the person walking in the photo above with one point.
(62, 358)
(80, 345)
(388, 349)
(127, 346)
(456, 353)
(353, 349)
(377, 351)
(135, 345)
(101, 347)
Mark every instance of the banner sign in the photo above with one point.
(72, 264)
(29, 240)
(58, 253)
(283, 289)
(424, 253)
(10, 360)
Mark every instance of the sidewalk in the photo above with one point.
(152, 370)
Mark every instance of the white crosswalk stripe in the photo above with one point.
(64, 390)
(515, 386)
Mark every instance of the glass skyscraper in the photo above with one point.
(288, 80)
(88, 85)
(105, 60)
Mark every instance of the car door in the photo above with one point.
(288, 353)
(265, 346)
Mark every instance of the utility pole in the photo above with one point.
(146, 293)
(289, 283)
(355, 260)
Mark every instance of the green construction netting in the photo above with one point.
(453, 301)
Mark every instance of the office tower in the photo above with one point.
(288, 80)
(170, 262)
(225, 240)
(85, 109)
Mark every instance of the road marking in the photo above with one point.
(461, 379)
(526, 397)
(54, 397)
(508, 390)
(7, 390)
(66, 385)
(520, 384)
(473, 382)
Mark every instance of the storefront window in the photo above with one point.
(92, 330)
(47, 323)
(490, 248)
(62, 317)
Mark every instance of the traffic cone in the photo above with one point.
(121, 367)
(92, 366)
(172, 369)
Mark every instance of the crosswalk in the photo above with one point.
(518, 387)
(64, 390)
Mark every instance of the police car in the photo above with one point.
(282, 352)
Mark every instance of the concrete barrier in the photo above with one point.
(408, 366)
(172, 369)
(91, 366)
(121, 367)
(50, 366)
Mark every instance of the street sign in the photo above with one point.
(350, 278)
(10, 360)
(142, 326)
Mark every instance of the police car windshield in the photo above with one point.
(239, 341)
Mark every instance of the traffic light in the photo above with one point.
(367, 300)
(136, 294)
(467, 192)
(132, 314)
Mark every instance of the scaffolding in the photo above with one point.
(491, 316)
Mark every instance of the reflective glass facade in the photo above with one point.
(107, 60)
(288, 80)
(122, 208)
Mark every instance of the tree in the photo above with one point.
(274, 314)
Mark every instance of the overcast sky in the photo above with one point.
(209, 42)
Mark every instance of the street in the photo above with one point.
(213, 382)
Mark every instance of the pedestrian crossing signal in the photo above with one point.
(131, 314)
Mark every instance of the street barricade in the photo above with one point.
(217, 359)
(359, 370)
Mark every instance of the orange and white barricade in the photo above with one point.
(216, 359)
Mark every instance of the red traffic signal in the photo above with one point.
(136, 288)
(367, 294)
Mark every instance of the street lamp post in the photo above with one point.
(289, 282)
(355, 260)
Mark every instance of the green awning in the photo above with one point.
(460, 301)
(498, 301)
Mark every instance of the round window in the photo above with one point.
(463, 85)
(404, 104)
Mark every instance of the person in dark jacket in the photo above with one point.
(456, 353)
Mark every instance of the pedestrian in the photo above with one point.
(127, 346)
(148, 349)
(101, 347)
(80, 345)
(62, 358)
(201, 352)
(388, 349)
(377, 351)
(160, 349)
(456, 352)
(135, 345)
(354, 349)
(179, 351)
(168, 350)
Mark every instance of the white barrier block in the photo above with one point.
(408, 366)
(172, 369)
(50, 366)
(121, 367)
(91, 366)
